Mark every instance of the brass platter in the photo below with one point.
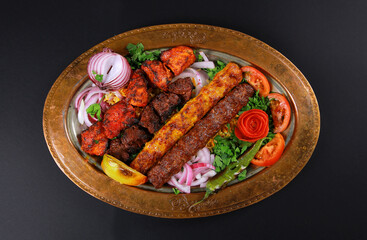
(301, 137)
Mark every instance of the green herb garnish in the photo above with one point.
(96, 141)
(262, 103)
(99, 77)
(137, 55)
(95, 110)
(227, 150)
(242, 175)
(176, 191)
(219, 65)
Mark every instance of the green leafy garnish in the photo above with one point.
(137, 55)
(95, 110)
(176, 191)
(262, 103)
(95, 141)
(199, 58)
(227, 150)
(219, 65)
(99, 77)
(242, 175)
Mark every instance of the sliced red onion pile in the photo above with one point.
(86, 98)
(195, 172)
(113, 67)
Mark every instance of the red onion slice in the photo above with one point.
(80, 112)
(115, 69)
(206, 59)
(209, 65)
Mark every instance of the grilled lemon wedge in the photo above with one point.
(121, 172)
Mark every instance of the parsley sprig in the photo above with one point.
(137, 55)
(95, 110)
(99, 77)
(219, 65)
(227, 150)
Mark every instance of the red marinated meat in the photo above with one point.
(117, 118)
(94, 140)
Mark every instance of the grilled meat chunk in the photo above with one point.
(94, 140)
(186, 118)
(117, 118)
(178, 58)
(158, 74)
(132, 140)
(182, 87)
(164, 104)
(117, 150)
(137, 90)
(199, 135)
(150, 120)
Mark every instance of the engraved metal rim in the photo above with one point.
(184, 215)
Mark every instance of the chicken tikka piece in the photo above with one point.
(158, 74)
(94, 140)
(178, 58)
(117, 118)
(137, 90)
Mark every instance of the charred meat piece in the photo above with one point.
(158, 74)
(199, 135)
(178, 58)
(182, 87)
(164, 104)
(117, 118)
(132, 140)
(117, 150)
(137, 90)
(150, 120)
(94, 140)
(186, 118)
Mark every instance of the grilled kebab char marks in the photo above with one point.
(186, 118)
(199, 135)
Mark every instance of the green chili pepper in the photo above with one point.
(231, 171)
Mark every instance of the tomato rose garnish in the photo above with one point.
(252, 125)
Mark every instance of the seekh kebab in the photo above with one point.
(187, 117)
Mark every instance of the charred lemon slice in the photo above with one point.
(120, 172)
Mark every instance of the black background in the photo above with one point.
(325, 40)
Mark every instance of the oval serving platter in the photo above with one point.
(61, 129)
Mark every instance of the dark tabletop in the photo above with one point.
(325, 40)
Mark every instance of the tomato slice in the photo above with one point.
(270, 153)
(280, 110)
(257, 80)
